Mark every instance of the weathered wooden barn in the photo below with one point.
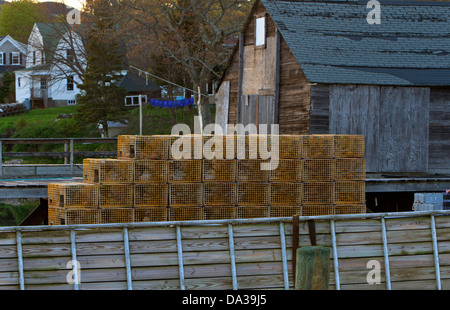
(319, 67)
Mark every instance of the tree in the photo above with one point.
(18, 17)
(7, 90)
(191, 34)
(102, 99)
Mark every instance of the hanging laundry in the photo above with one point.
(172, 103)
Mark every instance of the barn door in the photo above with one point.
(394, 121)
(257, 109)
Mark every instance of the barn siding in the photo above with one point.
(439, 149)
(394, 121)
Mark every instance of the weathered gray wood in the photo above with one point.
(355, 110)
(222, 100)
(319, 109)
(403, 136)
(240, 78)
(439, 144)
(313, 268)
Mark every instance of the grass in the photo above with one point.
(33, 117)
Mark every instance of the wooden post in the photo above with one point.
(313, 268)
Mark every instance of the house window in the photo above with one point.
(71, 102)
(260, 31)
(18, 82)
(43, 83)
(134, 100)
(70, 83)
(34, 57)
(15, 58)
(2, 59)
(70, 55)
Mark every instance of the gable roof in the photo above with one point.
(334, 43)
(19, 45)
(51, 35)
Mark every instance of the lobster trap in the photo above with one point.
(186, 194)
(286, 170)
(151, 214)
(73, 195)
(215, 146)
(82, 216)
(184, 171)
(318, 170)
(143, 147)
(348, 146)
(318, 193)
(284, 211)
(185, 147)
(219, 170)
(350, 209)
(116, 196)
(252, 146)
(253, 194)
(108, 171)
(150, 171)
(151, 195)
(185, 213)
(219, 212)
(216, 194)
(350, 192)
(317, 210)
(251, 170)
(244, 212)
(56, 216)
(286, 194)
(116, 215)
(318, 146)
(350, 169)
(290, 146)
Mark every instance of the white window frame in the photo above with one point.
(17, 56)
(135, 100)
(72, 102)
(260, 31)
(45, 84)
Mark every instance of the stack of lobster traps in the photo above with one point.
(200, 177)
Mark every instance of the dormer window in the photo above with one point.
(260, 31)
(15, 58)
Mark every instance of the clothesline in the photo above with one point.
(172, 103)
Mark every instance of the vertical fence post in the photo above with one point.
(66, 149)
(232, 257)
(127, 258)
(20, 259)
(335, 255)
(180, 257)
(435, 253)
(71, 156)
(284, 256)
(386, 253)
(75, 270)
(1, 158)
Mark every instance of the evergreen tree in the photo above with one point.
(7, 90)
(102, 99)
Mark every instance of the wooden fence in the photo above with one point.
(69, 151)
(407, 250)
